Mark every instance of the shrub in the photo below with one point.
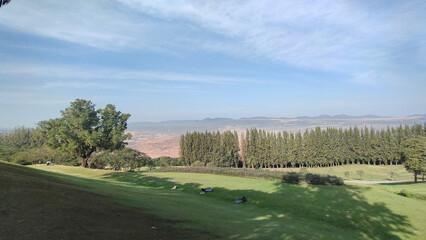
(360, 173)
(347, 174)
(42, 155)
(125, 158)
(167, 161)
(292, 177)
(288, 177)
(22, 158)
(98, 160)
(406, 193)
(316, 179)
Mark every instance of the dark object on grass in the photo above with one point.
(207, 189)
(47, 163)
(241, 200)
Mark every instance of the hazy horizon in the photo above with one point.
(186, 60)
(312, 117)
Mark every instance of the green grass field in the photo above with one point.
(39, 205)
(273, 211)
(371, 173)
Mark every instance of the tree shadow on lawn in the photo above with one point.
(36, 204)
(402, 183)
(290, 212)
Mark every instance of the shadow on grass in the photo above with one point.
(401, 183)
(290, 212)
(36, 204)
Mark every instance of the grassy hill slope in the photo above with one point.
(273, 211)
(38, 205)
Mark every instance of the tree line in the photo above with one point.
(313, 148)
(213, 149)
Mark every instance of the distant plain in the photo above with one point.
(162, 138)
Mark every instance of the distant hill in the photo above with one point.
(162, 138)
(274, 124)
(417, 115)
(299, 123)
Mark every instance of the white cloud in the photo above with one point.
(79, 73)
(313, 34)
(344, 36)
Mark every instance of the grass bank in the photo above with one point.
(40, 205)
(273, 211)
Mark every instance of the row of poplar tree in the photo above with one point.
(313, 148)
(214, 149)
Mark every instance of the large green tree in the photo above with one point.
(414, 155)
(4, 2)
(112, 127)
(82, 129)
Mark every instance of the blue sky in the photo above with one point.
(163, 60)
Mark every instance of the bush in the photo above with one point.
(408, 194)
(288, 177)
(292, 177)
(42, 155)
(22, 158)
(124, 159)
(347, 174)
(98, 160)
(317, 179)
(167, 161)
(360, 173)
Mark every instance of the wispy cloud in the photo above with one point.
(86, 72)
(341, 36)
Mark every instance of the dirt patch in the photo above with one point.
(157, 147)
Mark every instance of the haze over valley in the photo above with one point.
(162, 138)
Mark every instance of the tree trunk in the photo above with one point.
(84, 163)
(415, 176)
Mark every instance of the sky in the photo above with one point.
(176, 60)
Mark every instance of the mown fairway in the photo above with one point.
(273, 211)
